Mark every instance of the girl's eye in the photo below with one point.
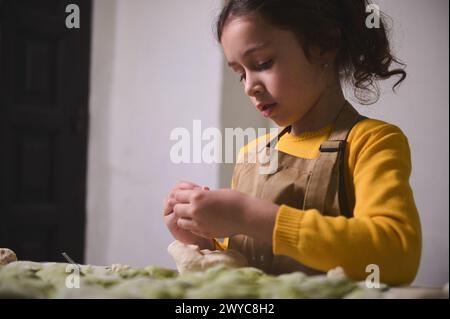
(264, 66)
(260, 67)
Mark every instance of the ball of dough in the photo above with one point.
(7, 256)
(119, 267)
(336, 273)
(190, 258)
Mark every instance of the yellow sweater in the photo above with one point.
(385, 229)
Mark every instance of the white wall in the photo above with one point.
(155, 66)
(100, 105)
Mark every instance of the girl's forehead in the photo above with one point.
(250, 25)
(241, 32)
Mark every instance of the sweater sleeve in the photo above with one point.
(385, 229)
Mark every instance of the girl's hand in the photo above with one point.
(224, 213)
(171, 219)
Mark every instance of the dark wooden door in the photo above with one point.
(44, 81)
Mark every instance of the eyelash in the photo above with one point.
(261, 67)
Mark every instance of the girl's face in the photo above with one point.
(273, 68)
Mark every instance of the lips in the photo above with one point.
(266, 108)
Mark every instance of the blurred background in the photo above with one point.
(86, 115)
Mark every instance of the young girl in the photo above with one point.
(340, 195)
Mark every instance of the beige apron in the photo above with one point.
(299, 183)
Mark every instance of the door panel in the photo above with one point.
(44, 81)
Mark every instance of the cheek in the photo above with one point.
(281, 82)
(274, 84)
(292, 86)
(304, 84)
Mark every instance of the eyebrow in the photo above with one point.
(251, 50)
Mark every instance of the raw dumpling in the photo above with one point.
(190, 258)
(7, 256)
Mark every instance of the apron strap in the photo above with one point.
(328, 175)
(320, 185)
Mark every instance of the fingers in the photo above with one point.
(183, 186)
(185, 196)
(201, 235)
(170, 220)
(186, 185)
(182, 210)
(192, 226)
(186, 224)
(169, 202)
(180, 196)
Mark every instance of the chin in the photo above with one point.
(282, 122)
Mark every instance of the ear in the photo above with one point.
(328, 53)
(322, 56)
(328, 56)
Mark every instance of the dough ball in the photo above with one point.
(7, 256)
(336, 273)
(190, 258)
(119, 267)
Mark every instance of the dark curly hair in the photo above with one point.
(363, 56)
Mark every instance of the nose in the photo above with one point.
(253, 86)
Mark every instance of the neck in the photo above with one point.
(324, 112)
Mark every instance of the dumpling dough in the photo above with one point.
(119, 267)
(190, 258)
(7, 256)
